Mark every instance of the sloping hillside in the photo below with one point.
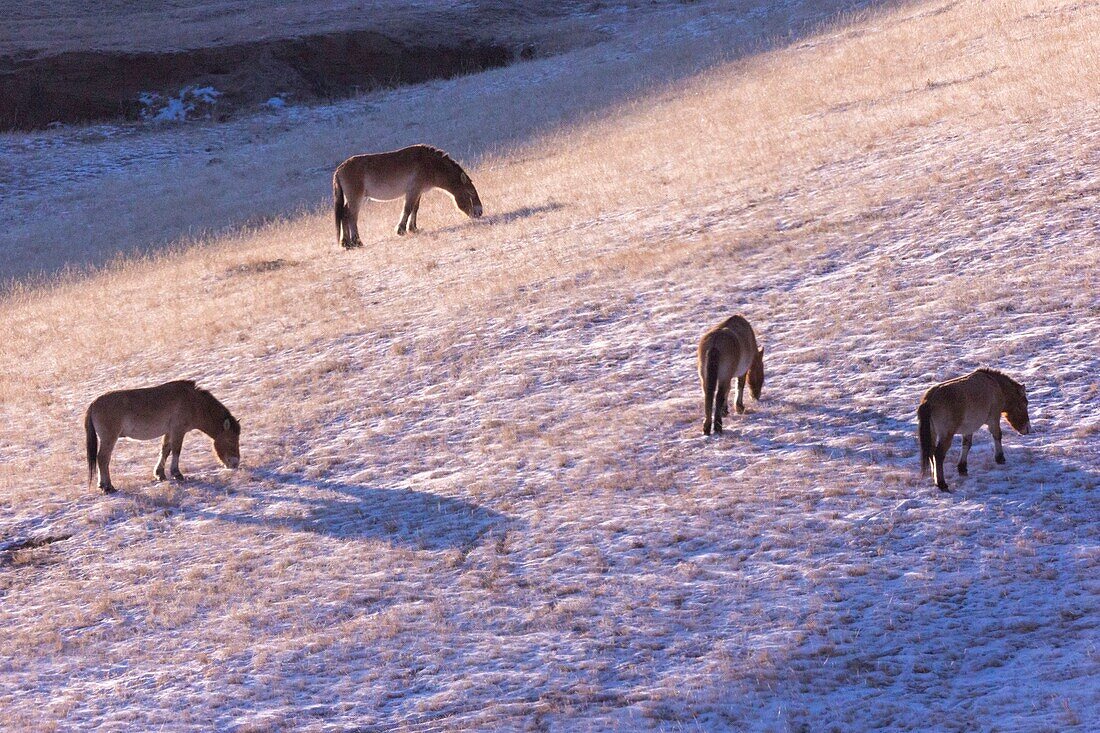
(476, 495)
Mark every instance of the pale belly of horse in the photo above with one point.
(974, 419)
(144, 429)
(387, 190)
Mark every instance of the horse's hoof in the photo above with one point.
(718, 429)
(159, 477)
(943, 487)
(962, 469)
(706, 430)
(740, 409)
(108, 489)
(178, 477)
(400, 232)
(999, 459)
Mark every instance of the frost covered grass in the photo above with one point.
(476, 494)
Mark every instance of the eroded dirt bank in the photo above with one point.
(85, 86)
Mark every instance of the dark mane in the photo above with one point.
(1001, 378)
(205, 394)
(443, 157)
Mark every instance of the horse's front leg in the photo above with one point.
(165, 449)
(176, 447)
(740, 402)
(995, 431)
(406, 212)
(968, 441)
(412, 214)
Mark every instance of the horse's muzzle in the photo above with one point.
(232, 463)
(476, 212)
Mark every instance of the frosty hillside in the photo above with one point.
(473, 491)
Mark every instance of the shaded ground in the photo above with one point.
(80, 63)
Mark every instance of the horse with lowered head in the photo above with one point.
(408, 172)
(726, 351)
(963, 405)
(171, 410)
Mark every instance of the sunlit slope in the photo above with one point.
(477, 495)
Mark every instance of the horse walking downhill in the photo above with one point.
(963, 405)
(408, 172)
(172, 410)
(729, 350)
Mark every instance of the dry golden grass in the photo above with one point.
(475, 495)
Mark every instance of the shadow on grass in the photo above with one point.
(403, 517)
(524, 212)
(888, 441)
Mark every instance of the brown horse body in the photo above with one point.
(408, 172)
(729, 350)
(963, 405)
(170, 410)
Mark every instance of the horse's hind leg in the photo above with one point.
(938, 456)
(968, 441)
(740, 403)
(176, 442)
(103, 461)
(351, 221)
(721, 406)
(165, 449)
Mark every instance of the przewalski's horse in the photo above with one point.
(172, 410)
(407, 172)
(963, 405)
(729, 350)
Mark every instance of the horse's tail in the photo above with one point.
(924, 430)
(710, 383)
(92, 443)
(340, 207)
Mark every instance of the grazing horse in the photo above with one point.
(407, 172)
(728, 350)
(963, 405)
(171, 409)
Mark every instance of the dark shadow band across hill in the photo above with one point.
(240, 182)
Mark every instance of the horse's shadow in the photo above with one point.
(507, 217)
(891, 440)
(400, 516)
(877, 430)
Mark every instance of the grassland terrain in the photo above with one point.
(475, 493)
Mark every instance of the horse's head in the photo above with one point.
(1016, 407)
(756, 374)
(466, 198)
(227, 442)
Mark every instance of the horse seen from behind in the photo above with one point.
(726, 351)
(408, 172)
(963, 405)
(171, 410)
